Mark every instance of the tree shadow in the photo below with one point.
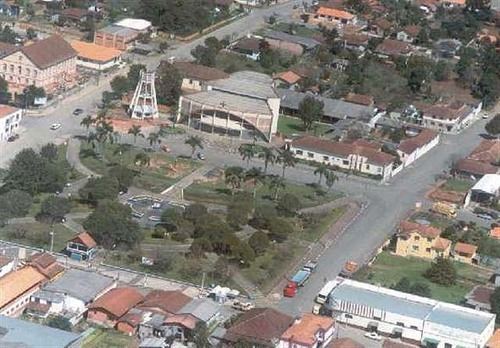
(88, 153)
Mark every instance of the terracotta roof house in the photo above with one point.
(487, 151)
(16, 289)
(466, 253)
(332, 16)
(309, 331)
(354, 41)
(468, 167)
(495, 233)
(110, 307)
(286, 79)
(248, 46)
(380, 27)
(345, 343)
(354, 156)
(96, 57)
(81, 247)
(411, 149)
(447, 118)
(195, 76)
(46, 264)
(164, 302)
(49, 63)
(393, 48)
(259, 326)
(479, 298)
(414, 239)
(74, 14)
(481, 160)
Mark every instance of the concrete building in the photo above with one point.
(448, 118)
(49, 63)
(309, 331)
(114, 36)
(81, 247)
(422, 241)
(10, 119)
(196, 77)
(95, 57)
(244, 105)
(416, 319)
(486, 190)
(413, 148)
(356, 157)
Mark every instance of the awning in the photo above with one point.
(431, 341)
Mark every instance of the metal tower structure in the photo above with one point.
(143, 104)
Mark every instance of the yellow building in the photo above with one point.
(421, 241)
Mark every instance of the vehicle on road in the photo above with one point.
(485, 116)
(201, 156)
(373, 336)
(350, 267)
(13, 137)
(55, 126)
(485, 216)
(78, 112)
(316, 309)
(446, 209)
(325, 292)
(299, 279)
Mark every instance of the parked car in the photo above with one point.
(13, 137)
(78, 112)
(55, 126)
(201, 156)
(373, 336)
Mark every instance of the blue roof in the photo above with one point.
(385, 302)
(466, 321)
(20, 333)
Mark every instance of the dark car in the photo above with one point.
(13, 137)
(78, 112)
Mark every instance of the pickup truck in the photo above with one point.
(299, 279)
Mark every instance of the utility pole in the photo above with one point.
(51, 241)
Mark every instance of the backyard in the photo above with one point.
(162, 171)
(457, 185)
(388, 269)
(293, 126)
(109, 339)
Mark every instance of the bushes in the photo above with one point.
(442, 272)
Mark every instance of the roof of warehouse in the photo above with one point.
(247, 83)
(232, 102)
(467, 321)
(307, 42)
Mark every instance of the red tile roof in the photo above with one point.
(441, 243)
(412, 30)
(74, 12)
(481, 294)
(465, 249)
(333, 12)
(475, 167)
(494, 341)
(260, 326)
(16, 283)
(46, 264)
(167, 302)
(407, 227)
(391, 47)
(495, 233)
(118, 301)
(304, 332)
(355, 39)
(50, 51)
(343, 149)
(186, 320)
(289, 77)
(6, 110)
(409, 145)
(487, 151)
(84, 238)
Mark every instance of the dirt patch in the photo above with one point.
(122, 125)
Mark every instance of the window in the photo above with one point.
(415, 247)
(345, 162)
(367, 167)
(413, 327)
(310, 155)
(348, 316)
(416, 238)
(377, 318)
(299, 152)
(326, 158)
(400, 324)
(447, 345)
(427, 250)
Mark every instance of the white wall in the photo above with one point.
(7, 268)
(456, 337)
(9, 125)
(97, 65)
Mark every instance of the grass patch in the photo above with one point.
(318, 226)
(164, 170)
(457, 185)
(108, 338)
(388, 269)
(218, 193)
(37, 234)
(231, 62)
(384, 83)
(436, 220)
(293, 126)
(265, 269)
(299, 30)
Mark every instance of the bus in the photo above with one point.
(325, 291)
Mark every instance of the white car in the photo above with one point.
(55, 126)
(373, 336)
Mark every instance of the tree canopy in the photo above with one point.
(493, 125)
(96, 189)
(442, 272)
(168, 84)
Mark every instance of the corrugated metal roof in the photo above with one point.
(470, 322)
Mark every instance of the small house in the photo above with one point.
(82, 247)
(248, 46)
(466, 253)
(479, 298)
(309, 331)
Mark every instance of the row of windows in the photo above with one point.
(326, 158)
(418, 238)
(19, 69)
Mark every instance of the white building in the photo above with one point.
(10, 118)
(451, 118)
(424, 321)
(96, 57)
(358, 156)
(411, 149)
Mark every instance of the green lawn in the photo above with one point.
(230, 62)
(457, 185)
(436, 220)
(314, 231)
(388, 269)
(218, 193)
(163, 171)
(37, 234)
(108, 338)
(300, 30)
(293, 126)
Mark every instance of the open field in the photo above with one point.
(388, 269)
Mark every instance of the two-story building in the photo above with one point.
(328, 16)
(10, 119)
(448, 118)
(309, 331)
(411, 149)
(82, 247)
(356, 157)
(414, 239)
(49, 63)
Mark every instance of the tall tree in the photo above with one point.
(142, 159)
(331, 178)
(493, 125)
(310, 111)
(442, 272)
(247, 152)
(26, 172)
(168, 83)
(154, 138)
(276, 184)
(120, 85)
(55, 208)
(49, 152)
(195, 142)
(321, 170)
(287, 159)
(256, 175)
(269, 157)
(135, 131)
(4, 91)
(86, 122)
(233, 177)
(134, 74)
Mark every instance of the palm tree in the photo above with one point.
(142, 159)
(321, 171)
(255, 174)
(104, 133)
(195, 142)
(331, 178)
(269, 157)
(247, 152)
(136, 132)
(154, 138)
(86, 122)
(287, 159)
(233, 177)
(276, 183)
(91, 139)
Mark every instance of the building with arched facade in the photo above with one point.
(244, 105)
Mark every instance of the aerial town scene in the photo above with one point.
(249, 173)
